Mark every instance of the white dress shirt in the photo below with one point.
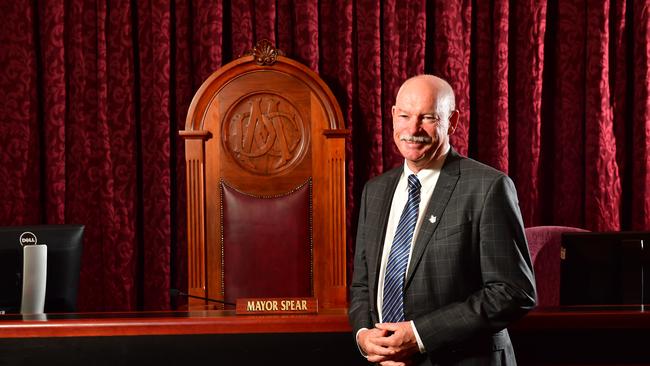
(428, 179)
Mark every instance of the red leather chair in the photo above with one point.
(544, 243)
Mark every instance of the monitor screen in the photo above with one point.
(64, 243)
(605, 268)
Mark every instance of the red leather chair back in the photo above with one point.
(544, 243)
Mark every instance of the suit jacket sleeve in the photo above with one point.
(507, 291)
(359, 311)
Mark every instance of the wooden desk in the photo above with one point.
(169, 323)
(177, 338)
(549, 336)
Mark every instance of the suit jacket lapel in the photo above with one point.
(447, 180)
(383, 204)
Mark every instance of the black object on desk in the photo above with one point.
(605, 268)
(64, 245)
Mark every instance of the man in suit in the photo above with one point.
(441, 263)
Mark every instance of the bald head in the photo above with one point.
(433, 87)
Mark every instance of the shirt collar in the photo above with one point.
(426, 174)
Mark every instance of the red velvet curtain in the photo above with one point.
(93, 93)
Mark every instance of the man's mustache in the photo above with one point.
(419, 139)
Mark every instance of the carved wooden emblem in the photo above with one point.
(264, 52)
(264, 133)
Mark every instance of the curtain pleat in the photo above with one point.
(93, 174)
(263, 18)
(205, 43)
(154, 44)
(19, 125)
(527, 60)
(602, 185)
(368, 121)
(641, 117)
(307, 35)
(93, 94)
(118, 130)
(567, 117)
(242, 29)
(53, 124)
(491, 80)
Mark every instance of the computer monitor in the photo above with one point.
(64, 244)
(605, 268)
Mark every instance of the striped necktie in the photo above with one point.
(393, 306)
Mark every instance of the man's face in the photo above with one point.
(422, 124)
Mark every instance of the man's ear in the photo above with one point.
(454, 117)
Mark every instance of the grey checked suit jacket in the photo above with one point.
(470, 273)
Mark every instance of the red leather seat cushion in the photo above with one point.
(267, 249)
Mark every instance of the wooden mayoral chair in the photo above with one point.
(265, 153)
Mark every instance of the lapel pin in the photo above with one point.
(432, 219)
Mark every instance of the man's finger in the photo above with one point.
(374, 348)
(387, 326)
(392, 363)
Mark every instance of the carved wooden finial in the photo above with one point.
(264, 52)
